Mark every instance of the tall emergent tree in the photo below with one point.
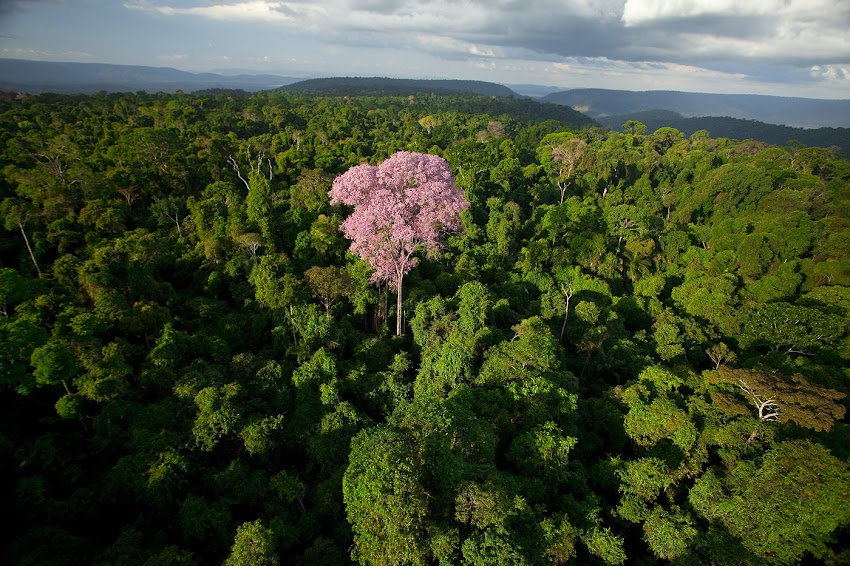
(407, 203)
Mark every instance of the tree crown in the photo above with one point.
(406, 203)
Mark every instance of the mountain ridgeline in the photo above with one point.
(474, 97)
(780, 110)
(376, 86)
(36, 77)
(735, 128)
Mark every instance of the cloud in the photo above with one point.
(601, 65)
(43, 55)
(378, 6)
(641, 12)
(456, 48)
(173, 57)
(832, 73)
(252, 11)
(803, 41)
(11, 6)
(796, 31)
(35, 54)
(705, 32)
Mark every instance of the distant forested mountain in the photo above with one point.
(795, 112)
(365, 86)
(475, 97)
(735, 128)
(41, 76)
(534, 91)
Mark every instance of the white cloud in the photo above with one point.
(173, 57)
(450, 45)
(638, 12)
(20, 53)
(732, 44)
(642, 12)
(766, 30)
(642, 75)
(42, 55)
(831, 73)
(251, 10)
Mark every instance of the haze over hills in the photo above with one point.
(794, 112)
(534, 91)
(772, 119)
(35, 77)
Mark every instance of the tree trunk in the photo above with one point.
(29, 249)
(398, 310)
(566, 314)
(292, 322)
(586, 361)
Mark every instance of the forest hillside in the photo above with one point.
(632, 347)
(781, 110)
(378, 86)
(838, 139)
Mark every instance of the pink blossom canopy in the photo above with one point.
(406, 203)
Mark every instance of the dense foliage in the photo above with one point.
(635, 349)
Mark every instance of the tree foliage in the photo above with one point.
(623, 347)
(406, 204)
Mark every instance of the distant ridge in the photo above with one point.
(359, 86)
(735, 128)
(35, 77)
(794, 112)
(475, 97)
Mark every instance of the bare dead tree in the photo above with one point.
(567, 155)
(255, 168)
(768, 409)
(130, 194)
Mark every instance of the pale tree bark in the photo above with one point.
(29, 248)
(258, 169)
(768, 409)
(176, 219)
(398, 308)
(292, 323)
(568, 294)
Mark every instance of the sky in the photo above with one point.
(778, 47)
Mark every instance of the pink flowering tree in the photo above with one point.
(406, 204)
